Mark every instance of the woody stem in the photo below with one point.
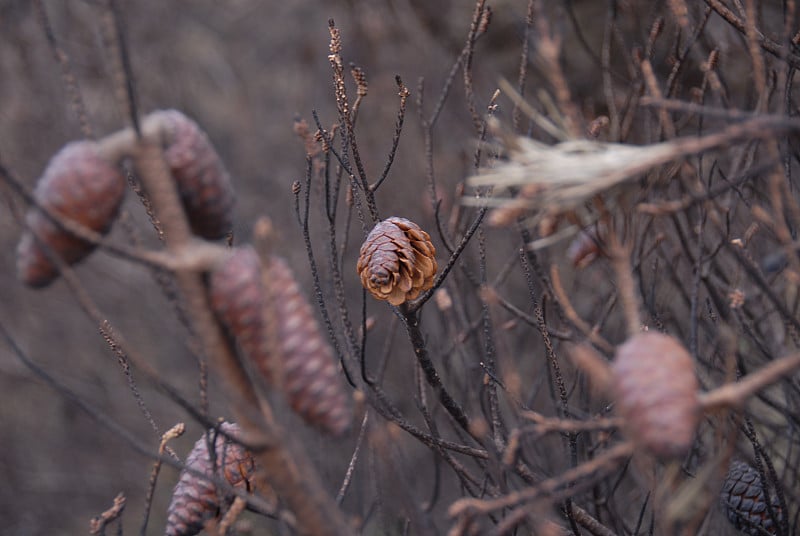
(411, 321)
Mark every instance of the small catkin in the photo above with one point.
(656, 393)
(745, 504)
(78, 185)
(310, 373)
(238, 298)
(195, 499)
(397, 261)
(203, 183)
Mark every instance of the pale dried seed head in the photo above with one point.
(203, 183)
(397, 261)
(79, 185)
(195, 499)
(310, 374)
(656, 393)
(744, 502)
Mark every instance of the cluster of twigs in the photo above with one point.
(666, 188)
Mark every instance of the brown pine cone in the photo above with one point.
(743, 501)
(79, 185)
(397, 261)
(195, 499)
(203, 183)
(238, 298)
(309, 370)
(655, 389)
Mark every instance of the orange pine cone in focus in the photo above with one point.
(397, 261)
(79, 185)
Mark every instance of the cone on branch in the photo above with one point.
(203, 183)
(196, 499)
(309, 373)
(81, 186)
(397, 261)
(745, 504)
(266, 313)
(238, 298)
(656, 393)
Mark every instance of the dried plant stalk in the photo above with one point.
(557, 178)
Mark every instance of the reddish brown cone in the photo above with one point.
(310, 373)
(397, 261)
(195, 499)
(81, 186)
(203, 183)
(238, 298)
(655, 389)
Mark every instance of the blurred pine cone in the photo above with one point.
(238, 298)
(203, 183)
(655, 389)
(80, 185)
(309, 371)
(397, 261)
(195, 499)
(743, 501)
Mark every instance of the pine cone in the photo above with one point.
(743, 501)
(397, 261)
(203, 183)
(79, 185)
(195, 499)
(310, 375)
(655, 389)
(238, 298)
